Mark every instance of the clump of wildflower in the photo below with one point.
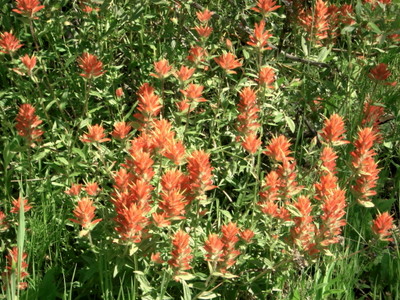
(91, 66)
(204, 16)
(92, 188)
(14, 271)
(229, 238)
(382, 226)
(371, 118)
(228, 62)
(181, 255)
(28, 8)
(184, 73)
(316, 22)
(197, 55)
(95, 134)
(27, 123)
(84, 213)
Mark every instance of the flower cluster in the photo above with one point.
(181, 255)
(27, 123)
(84, 214)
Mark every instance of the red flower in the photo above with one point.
(381, 73)
(29, 62)
(28, 7)
(333, 131)
(27, 122)
(95, 134)
(181, 254)
(333, 208)
(214, 248)
(228, 62)
(149, 105)
(259, 39)
(247, 235)
(278, 148)
(9, 43)
(229, 238)
(84, 213)
(162, 69)
(266, 77)
(196, 54)
(91, 66)
(265, 6)
(17, 204)
(203, 31)
(121, 130)
(303, 231)
(204, 16)
(131, 223)
(316, 22)
(382, 226)
(15, 268)
(247, 120)
(156, 258)
(371, 118)
(184, 73)
(3, 222)
(193, 92)
(365, 167)
(200, 177)
(74, 190)
(92, 188)
(119, 92)
(251, 143)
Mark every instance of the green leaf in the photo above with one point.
(290, 123)
(304, 46)
(374, 27)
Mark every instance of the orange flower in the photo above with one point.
(149, 104)
(200, 169)
(251, 143)
(265, 6)
(74, 190)
(382, 226)
(29, 62)
(9, 43)
(266, 77)
(260, 37)
(204, 16)
(181, 254)
(278, 149)
(381, 73)
(214, 248)
(365, 167)
(3, 222)
(328, 158)
(333, 208)
(162, 69)
(27, 122)
(303, 231)
(16, 268)
(91, 66)
(228, 62)
(333, 131)
(196, 54)
(156, 258)
(121, 130)
(247, 120)
(92, 188)
(28, 7)
(203, 31)
(247, 235)
(229, 238)
(95, 134)
(184, 73)
(316, 21)
(84, 213)
(17, 203)
(193, 92)
(372, 116)
(131, 223)
(119, 92)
